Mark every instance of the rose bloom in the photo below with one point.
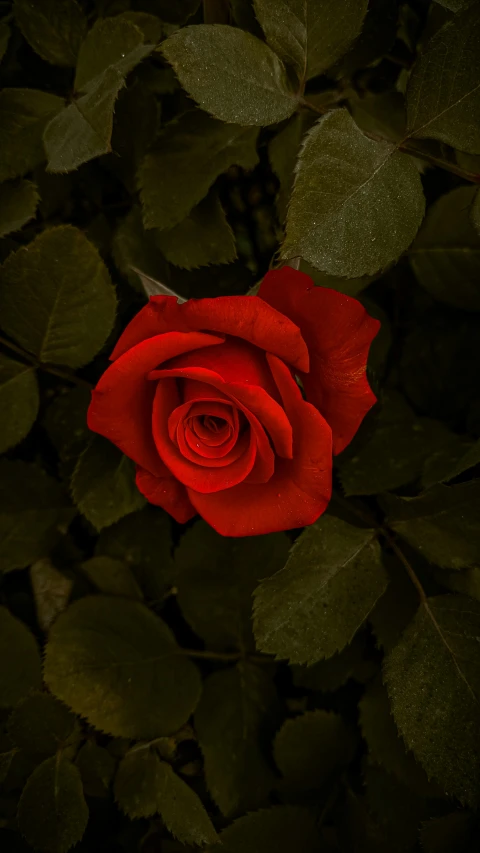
(205, 398)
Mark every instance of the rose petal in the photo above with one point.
(338, 331)
(166, 492)
(148, 323)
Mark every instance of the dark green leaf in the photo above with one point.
(396, 608)
(458, 456)
(216, 578)
(145, 786)
(204, 237)
(112, 577)
(443, 524)
(97, 768)
(103, 484)
(311, 36)
(143, 540)
(281, 829)
(283, 151)
(475, 212)
(328, 675)
(349, 286)
(443, 95)
(135, 247)
(18, 204)
(66, 422)
(33, 513)
(152, 28)
(5, 34)
(56, 297)
(54, 28)
(235, 705)
(376, 39)
(52, 812)
(231, 74)
(446, 254)
(189, 156)
(20, 664)
(114, 662)
(135, 128)
(356, 204)
(175, 13)
(19, 401)
(310, 748)
(454, 833)
(40, 724)
(433, 678)
(380, 114)
(315, 605)
(51, 591)
(23, 116)
(397, 809)
(107, 44)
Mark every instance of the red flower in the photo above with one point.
(203, 397)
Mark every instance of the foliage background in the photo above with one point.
(141, 708)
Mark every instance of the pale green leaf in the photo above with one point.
(443, 524)
(204, 237)
(235, 706)
(189, 156)
(445, 256)
(20, 664)
(143, 540)
(103, 484)
(34, 511)
(51, 591)
(107, 44)
(97, 768)
(311, 748)
(216, 577)
(112, 577)
(231, 74)
(56, 297)
(5, 34)
(433, 679)
(19, 400)
(443, 95)
(40, 724)
(281, 829)
(23, 116)
(145, 786)
(54, 28)
(315, 605)
(52, 812)
(356, 204)
(310, 35)
(18, 204)
(114, 662)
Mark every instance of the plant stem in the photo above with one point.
(47, 368)
(225, 656)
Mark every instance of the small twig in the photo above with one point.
(47, 368)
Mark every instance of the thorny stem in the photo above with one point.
(47, 368)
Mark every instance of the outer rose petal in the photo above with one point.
(121, 405)
(338, 332)
(166, 492)
(300, 489)
(246, 317)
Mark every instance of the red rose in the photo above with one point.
(203, 397)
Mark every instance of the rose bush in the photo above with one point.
(203, 397)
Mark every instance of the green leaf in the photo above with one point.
(281, 829)
(23, 116)
(152, 28)
(315, 605)
(203, 238)
(54, 28)
(453, 833)
(19, 398)
(97, 769)
(145, 786)
(231, 74)
(349, 286)
(433, 679)
(443, 95)
(112, 577)
(51, 591)
(114, 662)
(33, 513)
(396, 608)
(52, 812)
(175, 13)
(378, 35)
(135, 128)
(216, 577)
(143, 540)
(133, 246)
(443, 524)
(56, 297)
(450, 461)
(103, 484)
(235, 705)
(445, 256)
(311, 748)
(475, 211)
(283, 151)
(190, 155)
(65, 422)
(5, 33)
(108, 43)
(390, 450)
(328, 675)
(20, 664)
(356, 204)
(398, 810)
(40, 724)
(311, 36)
(466, 582)
(18, 204)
